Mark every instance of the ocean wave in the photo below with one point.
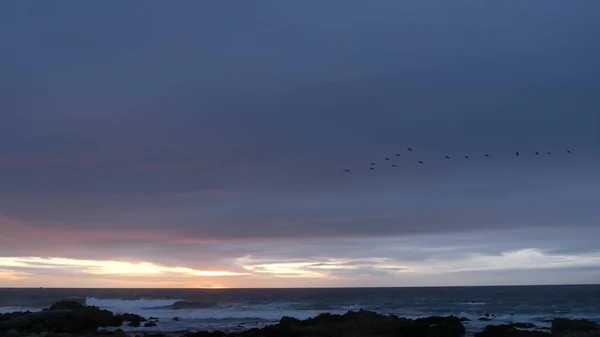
(120, 306)
(187, 305)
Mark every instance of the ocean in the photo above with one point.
(238, 309)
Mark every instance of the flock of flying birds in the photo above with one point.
(374, 164)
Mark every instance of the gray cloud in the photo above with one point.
(200, 129)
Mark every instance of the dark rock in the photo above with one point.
(120, 333)
(561, 326)
(509, 331)
(485, 319)
(360, 323)
(47, 334)
(522, 325)
(68, 317)
(67, 305)
(289, 320)
(149, 324)
(153, 318)
(135, 324)
(176, 319)
(132, 318)
(12, 315)
(12, 333)
(37, 328)
(206, 334)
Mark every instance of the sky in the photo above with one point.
(204, 143)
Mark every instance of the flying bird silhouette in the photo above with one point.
(548, 152)
(537, 153)
(347, 170)
(397, 154)
(487, 155)
(568, 151)
(466, 157)
(386, 158)
(393, 165)
(372, 168)
(447, 157)
(517, 154)
(420, 162)
(409, 149)
(373, 163)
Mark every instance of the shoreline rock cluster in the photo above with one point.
(70, 318)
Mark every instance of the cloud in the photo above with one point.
(93, 267)
(230, 144)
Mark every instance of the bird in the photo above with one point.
(409, 149)
(466, 157)
(397, 154)
(568, 151)
(487, 155)
(537, 153)
(517, 153)
(347, 170)
(393, 165)
(447, 157)
(372, 168)
(386, 158)
(420, 162)
(373, 163)
(548, 152)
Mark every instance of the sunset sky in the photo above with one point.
(203, 143)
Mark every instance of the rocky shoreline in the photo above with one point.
(70, 318)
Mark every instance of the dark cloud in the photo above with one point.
(163, 132)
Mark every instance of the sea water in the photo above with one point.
(238, 309)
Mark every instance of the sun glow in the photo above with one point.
(100, 267)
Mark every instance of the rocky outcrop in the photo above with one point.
(509, 331)
(574, 327)
(65, 317)
(354, 323)
(560, 328)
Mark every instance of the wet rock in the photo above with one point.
(120, 333)
(207, 334)
(67, 305)
(37, 328)
(132, 318)
(134, 324)
(12, 315)
(69, 317)
(522, 325)
(562, 326)
(12, 333)
(47, 334)
(361, 323)
(509, 331)
(150, 324)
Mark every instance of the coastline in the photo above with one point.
(72, 318)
